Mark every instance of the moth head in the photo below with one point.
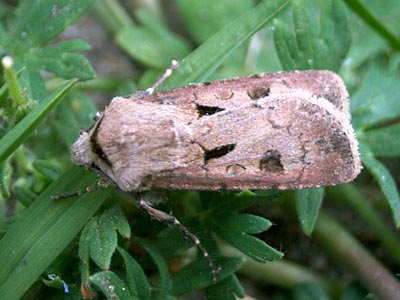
(82, 153)
(82, 150)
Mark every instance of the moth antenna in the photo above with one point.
(173, 221)
(167, 73)
(101, 183)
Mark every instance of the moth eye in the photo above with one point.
(258, 92)
(271, 161)
(218, 152)
(207, 110)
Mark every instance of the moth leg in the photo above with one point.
(100, 184)
(156, 85)
(173, 221)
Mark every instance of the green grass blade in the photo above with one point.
(46, 228)
(206, 58)
(18, 134)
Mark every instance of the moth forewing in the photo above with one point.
(282, 130)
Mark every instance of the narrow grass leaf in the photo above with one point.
(18, 134)
(35, 240)
(208, 56)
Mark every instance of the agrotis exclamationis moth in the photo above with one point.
(285, 130)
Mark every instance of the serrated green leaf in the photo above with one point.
(228, 289)
(32, 81)
(25, 254)
(135, 277)
(236, 234)
(152, 45)
(385, 181)
(384, 142)
(203, 18)
(252, 224)
(60, 60)
(308, 204)
(308, 44)
(376, 100)
(17, 135)
(84, 249)
(41, 21)
(119, 220)
(111, 286)
(196, 275)
(335, 30)
(172, 241)
(103, 242)
(164, 290)
(286, 45)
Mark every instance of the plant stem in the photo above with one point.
(353, 197)
(346, 250)
(364, 14)
(283, 273)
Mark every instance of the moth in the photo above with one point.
(284, 130)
